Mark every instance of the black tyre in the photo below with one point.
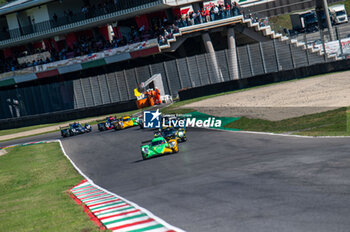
(143, 156)
(101, 127)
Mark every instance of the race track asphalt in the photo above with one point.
(224, 181)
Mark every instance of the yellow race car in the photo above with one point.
(159, 146)
(125, 122)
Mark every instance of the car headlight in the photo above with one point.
(172, 144)
(145, 150)
(181, 134)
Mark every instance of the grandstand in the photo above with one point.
(60, 55)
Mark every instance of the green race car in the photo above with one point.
(159, 146)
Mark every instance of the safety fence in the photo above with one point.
(194, 71)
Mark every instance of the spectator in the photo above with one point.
(70, 15)
(228, 10)
(55, 18)
(66, 15)
(216, 13)
(204, 19)
(162, 40)
(235, 9)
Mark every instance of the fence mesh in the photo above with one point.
(253, 59)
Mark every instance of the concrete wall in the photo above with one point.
(12, 21)
(40, 13)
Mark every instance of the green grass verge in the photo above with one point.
(330, 123)
(33, 191)
(280, 21)
(23, 129)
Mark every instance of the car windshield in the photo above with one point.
(157, 142)
(76, 126)
(126, 119)
(340, 13)
(168, 132)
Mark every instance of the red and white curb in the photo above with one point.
(109, 210)
(115, 213)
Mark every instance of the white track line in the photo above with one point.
(282, 135)
(151, 215)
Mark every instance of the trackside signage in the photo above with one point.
(154, 119)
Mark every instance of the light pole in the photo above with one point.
(323, 4)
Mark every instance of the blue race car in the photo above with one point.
(75, 129)
(108, 124)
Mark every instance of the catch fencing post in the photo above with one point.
(324, 46)
(127, 85)
(118, 87)
(150, 70)
(136, 77)
(189, 73)
(167, 78)
(227, 61)
(178, 72)
(276, 55)
(340, 45)
(207, 63)
(83, 91)
(92, 92)
(35, 99)
(99, 87)
(262, 57)
(306, 50)
(250, 60)
(291, 54)
(109, 89)
(198, 70)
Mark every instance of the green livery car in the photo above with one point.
(159, 146)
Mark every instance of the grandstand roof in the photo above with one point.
(18, 5)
